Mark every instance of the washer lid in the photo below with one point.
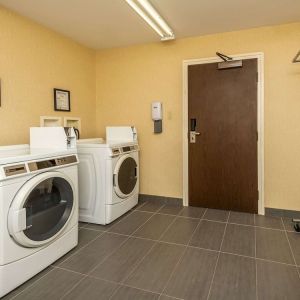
(125, 176)
(41, 209)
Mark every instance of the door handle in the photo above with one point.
(193, 135)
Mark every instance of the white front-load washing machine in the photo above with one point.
(108, 179)
(38, 211)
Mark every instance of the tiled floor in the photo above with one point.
(166, 252)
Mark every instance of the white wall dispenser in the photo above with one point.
(156, 112)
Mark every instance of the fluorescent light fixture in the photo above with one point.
(152, 17)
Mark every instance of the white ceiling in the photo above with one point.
(112, 23)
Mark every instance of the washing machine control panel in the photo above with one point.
(15, 170)
(122, 150)
(115, 151)
(32, 166)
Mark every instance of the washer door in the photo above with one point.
(41, 209)
(125, 176)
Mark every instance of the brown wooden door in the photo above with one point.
(223, 160)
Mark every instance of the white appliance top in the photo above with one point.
(101, 143)
(121, 133)
(20, 153)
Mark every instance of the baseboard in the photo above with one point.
(160, 199)
(284, 213)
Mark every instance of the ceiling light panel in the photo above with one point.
(153, 18)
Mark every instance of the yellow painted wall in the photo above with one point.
(33, 61)
(129, 79)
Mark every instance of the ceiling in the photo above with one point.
(112, 23)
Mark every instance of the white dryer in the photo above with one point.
(38, 211)
(108, 179)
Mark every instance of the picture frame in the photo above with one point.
(62, 100)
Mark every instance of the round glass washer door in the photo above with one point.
(125, 176)
(41, 209)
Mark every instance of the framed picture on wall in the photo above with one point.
(62, 100)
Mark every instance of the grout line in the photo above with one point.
(207, 249)
(101, 233)
(164, 205)
(224, 222)
(106, 231)
(182, 255)
(155, 211)
(117, 248)
(215, 269)
(256, 279)
(33, 283)
(291, 249)
(142, 259)
(276, 262)
(82, 226)
(120, 284)
(137, 263)
(107, 256)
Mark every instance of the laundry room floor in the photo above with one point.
(162, 251)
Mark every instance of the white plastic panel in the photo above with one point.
(87, 185)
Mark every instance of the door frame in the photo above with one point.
(260, 121)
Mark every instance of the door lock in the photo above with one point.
(193, 135)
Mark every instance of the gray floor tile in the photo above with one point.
(154, 228)
(192, 277)
(216, 215)
(268, 222)
(140, 203)
(119, 265)
(52, 286)
(131, 223)
(170, 209)
(241, 218)
(289, 224)
(294, 239)
(151, 206)
(165, 297)
(87, 258)
(92, 289)
(208, 235)
(99, 227)
(180, 231)
(129, 293)
(277, 281)
(273, 245)
(85, 236)
(235, 278)
(27, 284)
(239, 239)
(192, 212)
(82, 224)
(155, 269)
